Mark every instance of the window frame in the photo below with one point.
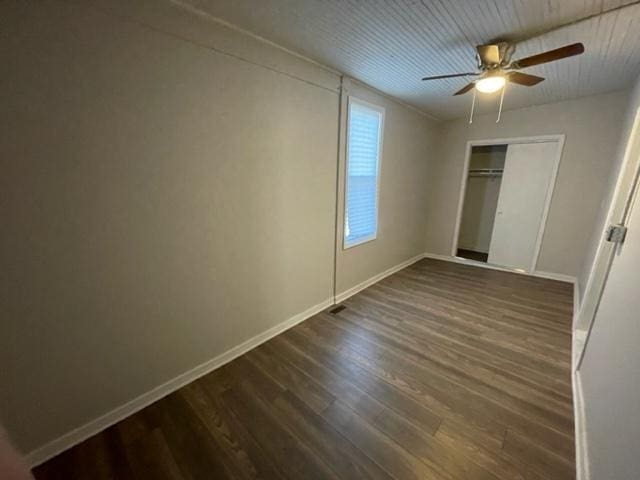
(351, 100)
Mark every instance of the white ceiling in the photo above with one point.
(391, 44)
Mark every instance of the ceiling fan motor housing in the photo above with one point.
(494, 55)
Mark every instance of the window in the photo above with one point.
(364, 143)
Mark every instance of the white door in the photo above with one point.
(609, 372)
(526, 186)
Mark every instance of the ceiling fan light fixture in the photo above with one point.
(490, 84)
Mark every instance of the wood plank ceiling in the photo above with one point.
(391, 44)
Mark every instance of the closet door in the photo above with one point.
(528, 170)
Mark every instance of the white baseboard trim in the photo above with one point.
(68, 440)
(341, 297)
(561, 277)
(74, 437)
(577, 344)
(550, 275)
(582, 464)
(577, 304)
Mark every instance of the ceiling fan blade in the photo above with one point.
(550, 56)
(465, 89)
(524, 79)
(453, 75)
(489, 54)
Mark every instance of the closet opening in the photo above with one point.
(486, 165)
(505, 193)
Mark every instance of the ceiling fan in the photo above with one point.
(495, 67)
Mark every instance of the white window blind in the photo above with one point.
(364, 140)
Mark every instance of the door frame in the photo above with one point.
(625, 191)
(559, 138)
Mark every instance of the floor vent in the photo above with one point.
(337, 309)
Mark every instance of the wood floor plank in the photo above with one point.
(343, 457)
(408, 434)
(435, 400)
(540, 460)
(252, 399)
(195, 452)
(316, 397)
(555, 432)
(432, 452)
(458, 364)
(150, 457)
(506, 347)
(464, 438)
(388, 454)
(455, 365)
(436, 339)
(229, 433)
(440, 371)
(510, 398)
(371, 393)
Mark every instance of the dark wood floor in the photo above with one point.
(441, 371)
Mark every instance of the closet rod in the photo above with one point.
(485, 174)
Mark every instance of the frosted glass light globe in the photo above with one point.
(490, 84)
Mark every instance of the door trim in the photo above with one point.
(559, 138)
(628, 166)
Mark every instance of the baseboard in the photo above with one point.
(561, 277)
(577, 304)
(464, 261)
(68, 440)
(549, 275)
(341, 297)
(577, 344)
(582, 464)
(80, 434)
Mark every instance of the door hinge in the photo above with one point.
(616, 233)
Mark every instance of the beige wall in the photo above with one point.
(408, 144)
(156, 200)
(592, 128)
(166, 197)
